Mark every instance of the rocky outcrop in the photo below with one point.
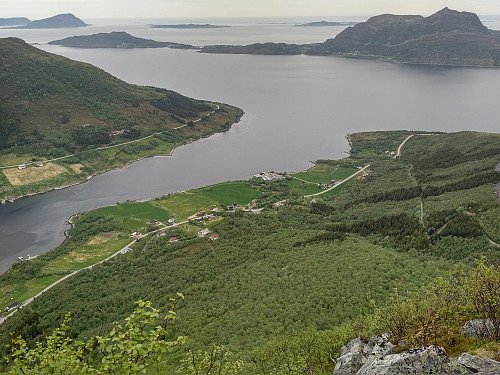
(478, 365)
(356, 353)
(377, 357)
(478, 328)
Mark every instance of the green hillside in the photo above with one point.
(52, 108)
(303, 277)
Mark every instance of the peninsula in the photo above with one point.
(447, 37)
(63, 121)
(114, 39)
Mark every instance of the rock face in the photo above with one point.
(478, 328)
(357, 353)
(377, 357)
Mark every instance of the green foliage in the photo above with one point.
(484, 292)
(436, 314)
(179, 105)
(131, 348)
(144, 211)
(218, 361)
(308, 351)
(90, 135)
(59, 355)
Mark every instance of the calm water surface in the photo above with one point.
(297, 109)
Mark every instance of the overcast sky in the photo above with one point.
(87, 9)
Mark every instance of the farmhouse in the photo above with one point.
(203, 233)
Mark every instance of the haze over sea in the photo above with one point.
(298, 109)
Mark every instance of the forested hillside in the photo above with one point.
(283, 289)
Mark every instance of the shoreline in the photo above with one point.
(5, 201)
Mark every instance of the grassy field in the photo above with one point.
(13, 159)
(324, 173)
(230, 193)
(303, 188)
(33, 174)
(188, 203)
(141, 211)
(98, 248)
(138, 150)
(19, 292)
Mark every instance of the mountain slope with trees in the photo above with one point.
(53, 107)
(302, 278)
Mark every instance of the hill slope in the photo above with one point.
(53, 107)
(303, 264)
(59, 21)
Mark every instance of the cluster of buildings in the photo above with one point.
(269, 176)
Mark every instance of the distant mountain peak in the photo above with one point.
(447, 37)
(450, 20)
(58, 21)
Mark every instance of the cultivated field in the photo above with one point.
(32, 174)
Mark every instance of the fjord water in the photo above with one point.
(297, 109)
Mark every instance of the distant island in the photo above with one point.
(56, 22)
(14, 21)
(114, 39)
(447, 37)
(189, 26)
(327, 23)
